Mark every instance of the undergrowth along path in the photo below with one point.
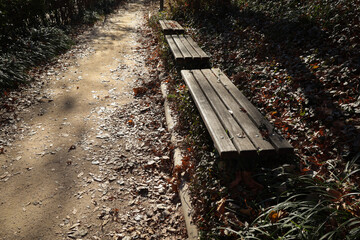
(81, 156)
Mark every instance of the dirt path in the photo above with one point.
(85, 162)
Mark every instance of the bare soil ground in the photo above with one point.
(82, 157)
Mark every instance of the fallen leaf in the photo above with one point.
(72, 147)
(336, 195)
(131, 122)
(220, 210)
(139, 91)
(275, 216)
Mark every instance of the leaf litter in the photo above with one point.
(303, 76)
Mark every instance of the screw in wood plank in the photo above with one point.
(241, 135)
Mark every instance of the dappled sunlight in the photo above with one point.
(44, 164)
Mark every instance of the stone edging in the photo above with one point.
(184, 186)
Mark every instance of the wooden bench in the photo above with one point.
(171, 27)
(186, 52)
(236, 127)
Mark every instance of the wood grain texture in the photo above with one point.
(189, 47)
(178, 25)
(281, 145)
(163, 25)
(221, 140)
(171, 27)
(196, 47)
(242, 143)
(186, 54)
(252, 131)
(173, 47)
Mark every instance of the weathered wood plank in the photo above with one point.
(280, 144)
(190, 48)
(163, 25)
(174, 25)
(242, 143)
(186, 54)
(178, 26)
(171, 27)
(181, 46)
(173, 47)
(168, 25)
(221, 140)
(196, 47)
(252, 131)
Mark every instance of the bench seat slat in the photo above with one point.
(168, 26)
(196, 47)
(177, 24)
(280, 144)
(186, 52)
(242, 143)
(163, 25)
(190, 48)
(181, 46)
(171, 27)
(242, 118)
(222, 142)
(174, 49)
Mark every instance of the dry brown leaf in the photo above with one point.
(275, 216)
(139, 90)
(220, 207)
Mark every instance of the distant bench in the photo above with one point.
(186, 52)
(236, 127)
(171, 27)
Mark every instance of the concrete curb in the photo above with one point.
(184, 187)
